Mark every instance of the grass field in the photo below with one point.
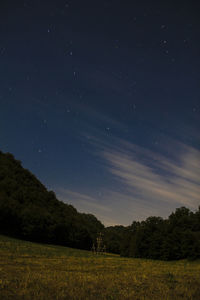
(35, 271)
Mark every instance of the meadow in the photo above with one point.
(36, 271)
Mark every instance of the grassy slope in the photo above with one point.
(35, 271)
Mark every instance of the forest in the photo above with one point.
(29, 211)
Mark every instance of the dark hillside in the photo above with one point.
(29, 211)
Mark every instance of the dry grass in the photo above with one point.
(34, 271)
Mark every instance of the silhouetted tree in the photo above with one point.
(29, 211)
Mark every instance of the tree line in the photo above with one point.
(29, 211)
(176, 237)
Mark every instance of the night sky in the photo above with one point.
(101, 101)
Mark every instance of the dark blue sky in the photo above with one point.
(101, 101)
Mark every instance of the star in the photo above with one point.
(133, 106)
(2, 50)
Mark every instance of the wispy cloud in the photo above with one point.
(147, 182)
(87, 204)
(156, 178)
(86, 201)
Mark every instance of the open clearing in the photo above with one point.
(35, 271)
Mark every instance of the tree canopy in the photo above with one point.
(29, 211)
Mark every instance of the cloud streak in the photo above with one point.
(87, 204)
(154, 178)
(145, 182)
